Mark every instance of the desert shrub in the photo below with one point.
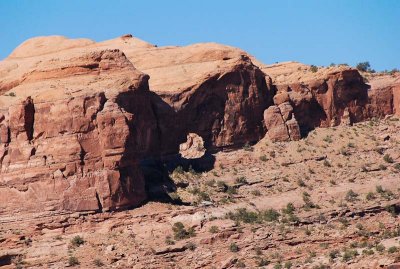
(370, 196)
(392, 210)
(169, 241)
(247, 147)
(262, 262)
(387, 158)
(240, 264)
(213, 229)
(301, 183)
(256, 192)
(328, 139)
(244, 215)
(333, 254)
(288, 264)
(191, 246)
(233, 247)
(180, 232)
(313, 68)
(76, 241)
(368, 252)
(241, 180)
(289, 209)
(263, 158)
(392, 249)
(351, 196)
(98, 263)
(363, 66)
(380, 248)
(222, 185)
(379, 189)
(271, 215)
(72, 261)
(349, 254)
(308, 204)
(382, 167)
(327, 163)
(231, 190)
(178, 170)
(210, 183)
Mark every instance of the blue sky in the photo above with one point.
(316, 32)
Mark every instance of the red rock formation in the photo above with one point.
(76, 116)
(213, 90)
(281, 123)
(320, 99)
(384, 96)
(76, 121)
(68, 147)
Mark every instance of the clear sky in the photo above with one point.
(316, 32)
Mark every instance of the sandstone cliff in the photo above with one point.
(66, 142)
(78, 116)
(320, 98)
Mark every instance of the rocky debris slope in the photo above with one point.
(330, 200)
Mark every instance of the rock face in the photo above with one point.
(281, 123)
(69, 145)
(209, 89)
(320, 99)
(77, 117)
(384, 96)
(193, 148)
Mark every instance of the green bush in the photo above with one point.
(351, 196)
(349, 254)
(180, 231)
(364, 66)
(244, 215)
(380, 248)
(334, 254)
(271, 215)
(289, 209)
(387, 158)
(313, 68)
(233, 247)
(98, 263)
(370, 196)
(213, 229)
(72, 261)
(76, 241)
(241, 180)
(191, 246)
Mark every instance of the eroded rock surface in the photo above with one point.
(384, 96)
(322, 98)
(67, 146)
(193, 148)
(77, 117)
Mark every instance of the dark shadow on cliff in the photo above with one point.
(158, 182)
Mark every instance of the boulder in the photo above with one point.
(193, 148)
